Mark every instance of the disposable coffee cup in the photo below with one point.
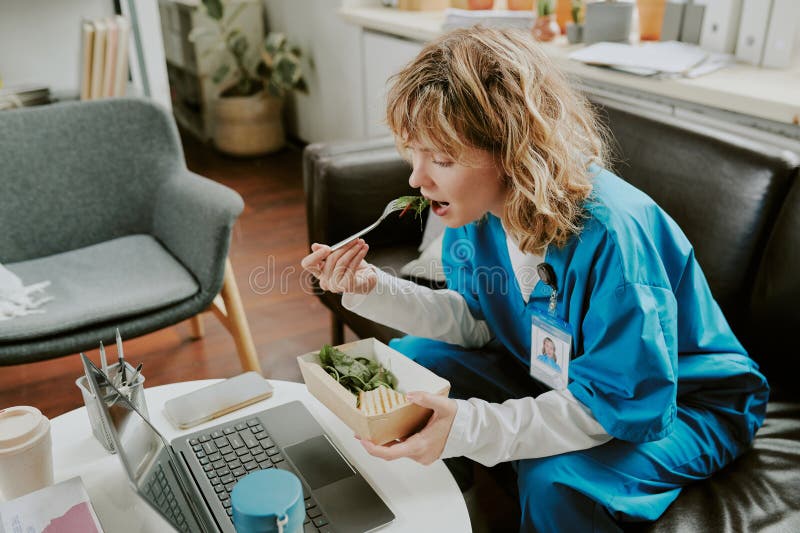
(268, 501)
(26, 451)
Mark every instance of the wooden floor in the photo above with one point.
(268, 242)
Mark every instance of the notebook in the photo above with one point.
(189, 480)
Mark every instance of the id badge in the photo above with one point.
(551, 348)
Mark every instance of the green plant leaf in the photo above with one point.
(214, 9)
(286, 70)
(544, 7)
(274, 43)
(575, 10)
(237, 43)
(220, 73)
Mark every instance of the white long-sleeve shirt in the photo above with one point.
(552, 423)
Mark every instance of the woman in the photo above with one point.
(548, 354)
(658, 391)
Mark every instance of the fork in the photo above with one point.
(391, 207)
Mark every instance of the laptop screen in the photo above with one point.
(145, 454)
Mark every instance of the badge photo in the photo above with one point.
(551, 346)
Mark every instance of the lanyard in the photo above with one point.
(548, 277)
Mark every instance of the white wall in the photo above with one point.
(40, 42)
(334, 107)
(384, 56)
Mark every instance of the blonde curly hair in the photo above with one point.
(496, 90)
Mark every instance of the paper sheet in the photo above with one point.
(61, 508)
(670, 57)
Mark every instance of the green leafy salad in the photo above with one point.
(417, 204)
(356, 374)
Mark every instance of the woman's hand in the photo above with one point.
(343, 270)
(427, 445)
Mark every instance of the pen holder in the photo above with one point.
(134, 392)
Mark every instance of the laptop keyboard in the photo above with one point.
(160, 492)
(230, 453)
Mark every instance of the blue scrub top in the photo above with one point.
(646, 329)
(543, 358)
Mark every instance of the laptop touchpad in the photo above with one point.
(318, 461)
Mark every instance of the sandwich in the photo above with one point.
(380, 400)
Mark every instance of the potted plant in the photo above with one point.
(575, 28)
(545, 28)
(608, 21)
(254, 82)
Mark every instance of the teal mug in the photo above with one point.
(268, 501)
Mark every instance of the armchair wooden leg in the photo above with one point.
(198, 328)
(228, 308)
(337, 330)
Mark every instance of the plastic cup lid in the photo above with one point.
(20, 426)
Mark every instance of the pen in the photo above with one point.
(121, 357)
(136, 374)
(103, 379)
(103, 359)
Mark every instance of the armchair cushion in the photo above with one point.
(103, 282)
(757, 492)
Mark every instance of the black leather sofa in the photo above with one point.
(739, 204)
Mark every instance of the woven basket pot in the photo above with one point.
(249, 125)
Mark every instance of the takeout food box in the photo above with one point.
(382, 428)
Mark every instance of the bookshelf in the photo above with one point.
(40, 43)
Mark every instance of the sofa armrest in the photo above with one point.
(193, 217)
(348, 184)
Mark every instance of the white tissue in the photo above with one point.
(18, 300)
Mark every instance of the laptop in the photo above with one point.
(189, 480)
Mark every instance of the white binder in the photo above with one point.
(753, 30)
(782, 34)
(720, 25)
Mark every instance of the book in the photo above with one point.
(98, 58)
(721, 25)
(753, 30)
(783, 34)
(13, 96)
(61, 508)
(87, 43)
(121, 65)
(109, 58)
(104, 57)
(493, 18)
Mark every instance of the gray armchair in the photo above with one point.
(96, 198)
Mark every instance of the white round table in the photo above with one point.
(423, 498)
